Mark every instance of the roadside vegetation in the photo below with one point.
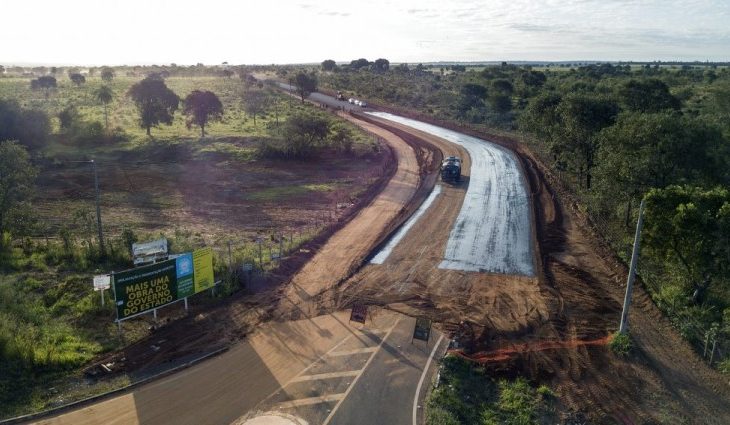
(171, 149)
(467, 394)
(613, 135)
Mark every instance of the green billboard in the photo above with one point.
(149, 287)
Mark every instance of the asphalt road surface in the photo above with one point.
(493, 231)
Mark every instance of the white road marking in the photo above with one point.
(352, 385)
(423, 377)
(350, 352)
(325, 376)
(393, 242)
(309, 401)
(493, 231)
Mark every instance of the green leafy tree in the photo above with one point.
(155, 102)
(381, 65)
(305, 84)
(16, 183)
(341, 137)
(45, 83)
(202, 107)
(359, 63)
(255, 102)
(689, 228)
(328, 65)
(303, 133)
(68, 117)
(105, 95)
(77, 78)
(29, 126)
(107, 74)
(649, 95)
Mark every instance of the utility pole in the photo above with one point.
(102, 249)
(632, 272)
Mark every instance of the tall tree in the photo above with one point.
(29, 126)
(381, 65)
(77, 78)
(105, 95)
(155, 102)
(255, 102)
(107, 74)
(201, 107)
(305, 84)
(45, 83)
(328, 65)
(649, 95)
(689, 227)
(16, 183)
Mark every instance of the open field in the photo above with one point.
(217, 191)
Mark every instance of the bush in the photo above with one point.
(621, 344)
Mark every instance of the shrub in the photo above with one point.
(621, 344)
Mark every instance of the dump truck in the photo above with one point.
(451, 169)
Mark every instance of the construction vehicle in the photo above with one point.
(340, 96)
(451, 169)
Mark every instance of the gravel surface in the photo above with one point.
(492, 232)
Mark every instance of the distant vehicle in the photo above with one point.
(357, 102)
(340, 96)
(451, 169)
(363, 103)
(351, 100)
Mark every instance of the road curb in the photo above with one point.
(99, 397)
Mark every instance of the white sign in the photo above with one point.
(149, 252)
(102, 282)
(247, 267)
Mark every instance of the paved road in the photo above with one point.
(327, 100)
(493, 231)
(370, 377)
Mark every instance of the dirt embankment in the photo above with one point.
(555, 328)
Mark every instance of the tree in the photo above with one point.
(107, 74)
(68, 117)
(30, 127)
(77, 78)
(105, 95)
(689, 228)
(359, 63)
(2, 70)
(305, 84)
(341, 137)
(302, 134)
(328, 65)
(255, 102)
(502, 86)
(16, 183)
(649, 95)
(381, 65)
(582, 117)
(45, 83)
(202, 107)
(644, 151)
(155, 102)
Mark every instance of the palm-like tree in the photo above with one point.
(105, 95)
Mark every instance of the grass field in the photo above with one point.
(214, 191)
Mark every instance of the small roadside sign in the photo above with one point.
(359, 313)
(102, 282)
(422, 330)
(247, 267)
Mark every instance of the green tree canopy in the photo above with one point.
(29, 126)
(648, 95)
(77, 78)
(107, 74)
(328, 65)
(689, 227)
(305, 84)
(303, 134)
(155, 102)
(201, 107)
(105, 95)
(16, 183)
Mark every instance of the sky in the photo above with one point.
(129, 32)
